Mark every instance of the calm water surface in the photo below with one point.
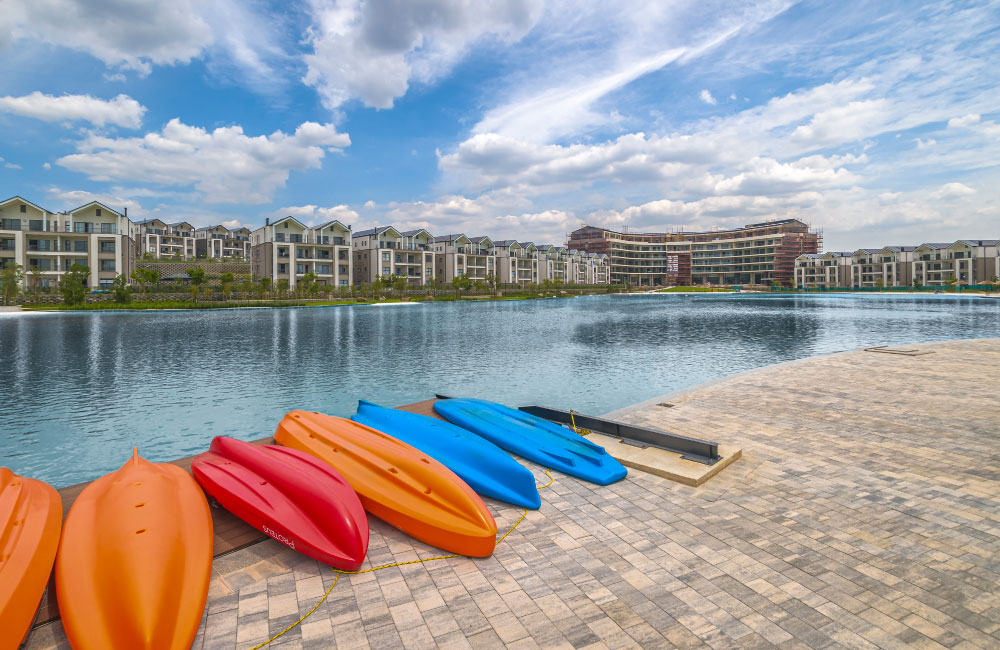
(77, 391)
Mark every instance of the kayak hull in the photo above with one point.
(533, 438)
(135, 560)
(295, 498)
(486, 468)
(396, 482)
(30, 521)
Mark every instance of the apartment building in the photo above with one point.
(46, 244)
(451, 256)
(598, 268)
(288, 250)
(385, 252)
(968, 261)
(754, 254)
(415, 258)
(823, 270)
(160, 240)
(480, 262)
(218, 242)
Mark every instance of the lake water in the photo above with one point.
(78, 390)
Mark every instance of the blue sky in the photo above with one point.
(876, 121)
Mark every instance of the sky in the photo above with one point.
(878, 122)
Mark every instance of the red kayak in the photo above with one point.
(295, 498)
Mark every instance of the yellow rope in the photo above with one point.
(572, 420)
(341, 572)
(304, 616)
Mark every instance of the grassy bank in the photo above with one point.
(139, 305)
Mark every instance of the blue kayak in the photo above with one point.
(533, 438)
(484, 466)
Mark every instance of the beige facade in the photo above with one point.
(968, 261)
(288, 250)
(218, 242)
(823, 270)
(162, 240)
(480, 262)
(415, 258)
(46, 244)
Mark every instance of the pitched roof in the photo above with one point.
(979, 242)
(219, 225)
(505, 242)
(374, 231)
(444, 238)
(87, 205)
(414, 233)
(476, 240)
(284, 219)
(26, 201)
(935, 245)
(330, 223)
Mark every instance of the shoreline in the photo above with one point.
(292, 304)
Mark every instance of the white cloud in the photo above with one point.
(225, 165)
(500, 216)
(46, 166)
(313, 214)
(132, 34)
(951, 191)
(964, 121)
(121, 111)
(138, 34)
(839, 124)
(372, 50)
(766, 176)
(11, 166)
(69, 199)
(706, 97)
(925, 144)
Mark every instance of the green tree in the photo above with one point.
(880, 283)
(493, 283)
(197, 275)
(72, 287)
(121, 290)
(917, 284)
(306, 285)
(951, 281)
(227, 284)
(459, 283)
(264, 286)
(400, 283)
(37, 275)
(11, 276)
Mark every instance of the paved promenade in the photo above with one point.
(864, 514)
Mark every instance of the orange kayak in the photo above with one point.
(30, 519)
(135, 560)
(396, 482)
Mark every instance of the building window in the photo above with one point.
(98, 212)
(24, 208)
(107, 247)
(385, 270)
(300, 268)
(107, 228)
(107, 265)
(281, 268)
(385, 257)
(80, 246)
(323, 268)
(106, 284)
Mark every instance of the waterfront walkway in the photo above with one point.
(864, 513)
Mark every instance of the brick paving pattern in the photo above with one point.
(865, 514)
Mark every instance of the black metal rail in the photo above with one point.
(699, 451)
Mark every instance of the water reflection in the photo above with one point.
(78, 390)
